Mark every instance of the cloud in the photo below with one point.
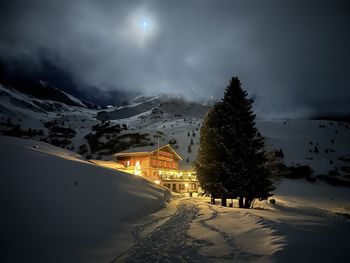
(292, 56)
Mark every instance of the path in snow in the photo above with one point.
(235, 252)
(170, 241)
(189, 235)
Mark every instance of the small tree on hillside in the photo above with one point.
(189, 149)
(231, 160)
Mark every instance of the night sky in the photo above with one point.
(293, 57)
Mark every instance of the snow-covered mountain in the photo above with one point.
(57, 206)
(165, 105)
(322, 145)
(44, 91)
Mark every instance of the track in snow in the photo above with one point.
(170, 241)
(236, 252)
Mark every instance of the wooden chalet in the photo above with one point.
(160, 165)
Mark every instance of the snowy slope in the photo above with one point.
(162, 105)
(33, 113)
(70, 99)
(57, 207)
(175, 121)
(299, 138)
(302, 194)
(316, 143)
(305, 225)
(79, 212)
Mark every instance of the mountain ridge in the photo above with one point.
(99, 133)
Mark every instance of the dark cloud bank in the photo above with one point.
(292, 56)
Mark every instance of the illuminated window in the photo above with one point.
(137, 170)
(174, 187)
(193, 186)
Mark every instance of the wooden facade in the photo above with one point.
(158, 165)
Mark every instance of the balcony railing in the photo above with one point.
(188, 177)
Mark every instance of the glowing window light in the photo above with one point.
(157, 181)
(137, 170)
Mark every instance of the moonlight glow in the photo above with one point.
(141, 27)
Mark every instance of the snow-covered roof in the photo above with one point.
(145, 150)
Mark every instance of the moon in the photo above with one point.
(145, 25)
(141, 27)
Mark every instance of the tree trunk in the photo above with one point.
(240, 202)
(223, 201)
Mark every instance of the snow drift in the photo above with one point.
(58, 208)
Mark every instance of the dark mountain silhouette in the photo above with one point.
(38, 82)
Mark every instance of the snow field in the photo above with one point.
(55, 205)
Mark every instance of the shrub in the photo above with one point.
(333, 180)
(311, 179)
(88, 156)
(189, 150)
(83, 149)
(345, 169)
(316, 150)
(172, 141)
(299, 172)
(279, 153)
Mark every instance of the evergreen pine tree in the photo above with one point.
(207, 163)
(316, 150)
(231, 160)
(189, 149)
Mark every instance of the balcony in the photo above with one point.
(179, 176)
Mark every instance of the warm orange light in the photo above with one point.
(186, 184)
(137, 170)
(157, 181)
